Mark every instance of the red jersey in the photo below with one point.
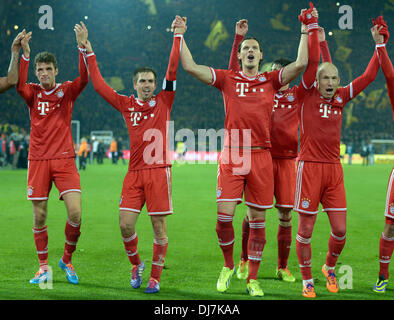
(284, 129)
(51, 113)
(388, 71)
(248, 105)
(146, 121)
(284, 121)
(321, 119)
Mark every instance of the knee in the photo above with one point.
(159, 227)
(127, 229)
(284, 215)
(74, 214)
(339, 233)
(40, 214)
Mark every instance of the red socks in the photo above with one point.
(335, 246)
(130, 245)
(225, 232)
(245, 239)
(284, 244)
(41, 241)
(386, 247)
(159, 254)
(256, 245)
(72, 233)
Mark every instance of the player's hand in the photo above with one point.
(375, 31)
(322, 34)
(81, 33)
(179, 25)
(384, 30)
(241, 27)
(309, 17)
(25, 44)
(16, 44)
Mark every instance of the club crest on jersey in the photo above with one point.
(30, 191)
(339, 99)
(219, 192)
(262, 79)
(60, 94)
(305, 203)
(152, 103)
(290, 98)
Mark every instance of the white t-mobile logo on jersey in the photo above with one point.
(43, 106)
(325, 109)
(241, 88)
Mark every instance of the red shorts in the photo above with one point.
(152, 186)
(284, 182)
(257, 183)
(389, 210)
(41, 174)
(319, 183)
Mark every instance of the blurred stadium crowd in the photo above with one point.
(129, 34)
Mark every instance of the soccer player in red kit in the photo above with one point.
(148, 179)
(51, 154)
(319, 172)
(386, 244)
(245, 165)
(284, 150)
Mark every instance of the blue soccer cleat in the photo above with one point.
(136, 275)
(70, 272)
(41, 277)
(381, 285)
(153, 286)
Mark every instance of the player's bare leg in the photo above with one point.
(335, 246)
(256, 245)
(127, 223)
(225, 233)
(284, 243)
(160, 244)
(386, 246)
(72, 200)
(40, 239)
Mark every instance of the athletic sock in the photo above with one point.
(225, 233)
(304, 254)
(284, 244)
(41, 242)
(256, 245)
(335, 246)
(159, 254)
(72, 232)
(130, 245)
(245, 239)
(386, 246)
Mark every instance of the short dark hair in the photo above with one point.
(45, 57)
(240, 45)
(142, 70)
(282, 62)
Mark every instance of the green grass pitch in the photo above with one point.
(194, 259)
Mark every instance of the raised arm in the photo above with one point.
(294, 69)
(22, 87)
(12, 77)
(241, 28)
(201, 72)
(101, 87)
(309, 75)
(325, 52)
(179, 27)
(359, 84)
(80, 82)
